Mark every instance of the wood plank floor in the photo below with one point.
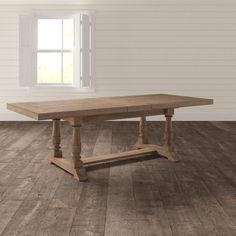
(196, 196)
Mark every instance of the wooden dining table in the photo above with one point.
(81, 111)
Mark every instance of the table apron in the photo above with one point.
(123, 115)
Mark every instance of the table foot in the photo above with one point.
(162, 150)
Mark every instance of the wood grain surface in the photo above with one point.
(103, 106)
(153, 196)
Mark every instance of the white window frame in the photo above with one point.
(77, 50)
(76, 77)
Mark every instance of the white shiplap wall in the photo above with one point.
(185, 47)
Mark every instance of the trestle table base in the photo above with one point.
(77, 166)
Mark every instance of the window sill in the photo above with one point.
(60, 88)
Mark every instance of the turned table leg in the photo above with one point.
(56, 139)
(142, 138)
(80, 172)
(168, 135)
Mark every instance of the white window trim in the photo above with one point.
(36, 50)
(76, 86)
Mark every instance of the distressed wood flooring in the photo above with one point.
(196, 196)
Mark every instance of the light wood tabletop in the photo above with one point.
(103, 105)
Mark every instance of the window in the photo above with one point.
(55, 44)
(57, 50)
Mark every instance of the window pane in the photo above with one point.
(49, 68)
(49, 34)
(68, 33)
(67, 68)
